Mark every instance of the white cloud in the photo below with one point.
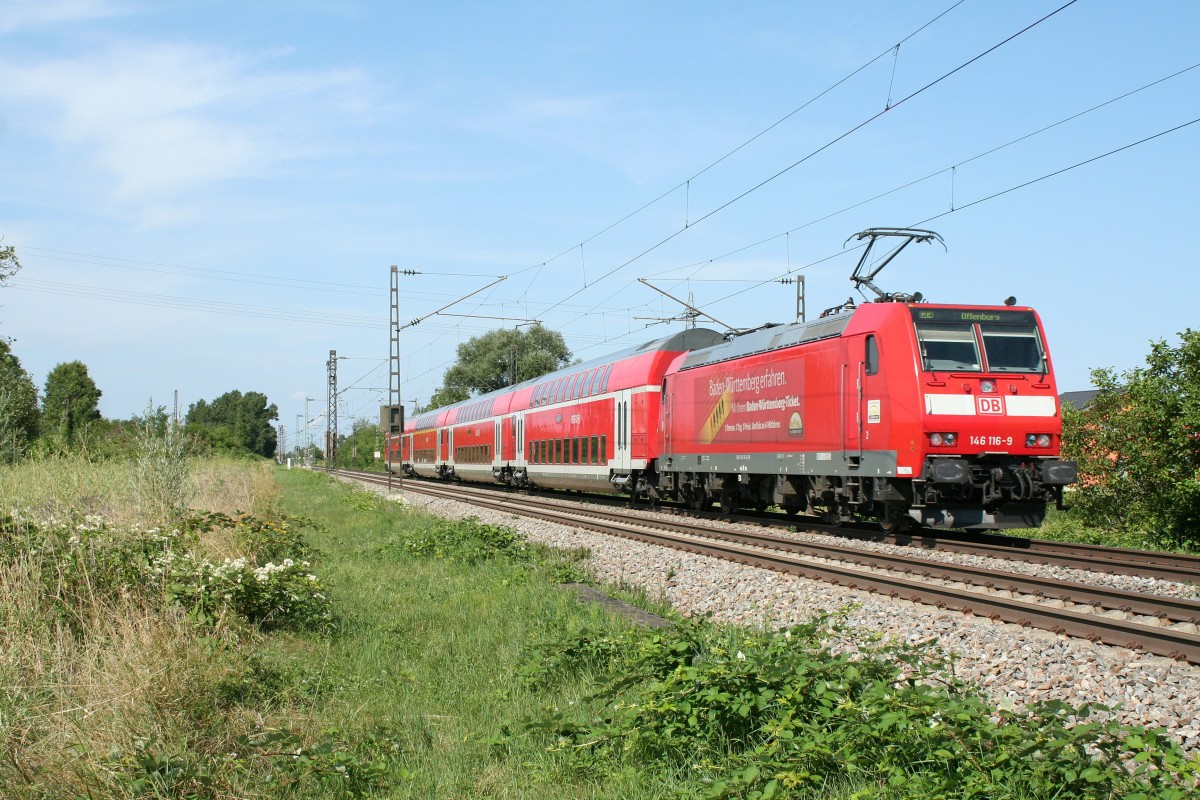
(18, 15)
(160, 121)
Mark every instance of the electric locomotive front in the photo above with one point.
(942, 415)
(991, 423)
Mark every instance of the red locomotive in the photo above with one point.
(898, 410)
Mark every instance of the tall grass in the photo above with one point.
(60, 487)
(102, 668)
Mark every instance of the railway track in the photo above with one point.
(1156, 624)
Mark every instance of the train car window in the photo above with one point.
(573, 392)
(557, 459)
(566, 451)
(583, 450)
(604, 380)
(595, 449)
(872, 358)
(1012, 348)
(575, 450)
(604, 449)
(594, 381)
(948, 346)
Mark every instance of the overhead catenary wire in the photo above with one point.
(687, 182)
(821, 149)
(982, 200)
(961, 207)
(193, 304)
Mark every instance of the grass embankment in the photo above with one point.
(415, 657)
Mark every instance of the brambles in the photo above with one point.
(783, 714)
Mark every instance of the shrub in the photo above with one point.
(467, 541)
(759, 714)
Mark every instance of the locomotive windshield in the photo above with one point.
(1012, 348)
(948, 346)
(1010, 342)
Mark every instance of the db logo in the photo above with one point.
(990, 405)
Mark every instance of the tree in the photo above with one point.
(1138, 444)
(8, 263)
(18, 407)
(357, 451)
(71, 400)
(501, 358)
(235, 422)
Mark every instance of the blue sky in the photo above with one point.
(208, 196)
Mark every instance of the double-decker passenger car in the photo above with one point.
(592, 426)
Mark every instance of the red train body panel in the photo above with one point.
(943, 415)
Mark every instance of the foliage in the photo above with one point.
(82, 560)
(235, 421)
(279, 763)
(447, 396)
(160, 466)
(467, 541)
(1138, 445)
(758, 714)
(9, 265)
(19, 414)
(71, 400)
(501, 358)
(357, 451)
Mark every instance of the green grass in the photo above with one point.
(431, 648)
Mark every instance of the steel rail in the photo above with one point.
(1158, 640)
(1095, 558)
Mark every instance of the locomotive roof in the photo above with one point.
(767, 339)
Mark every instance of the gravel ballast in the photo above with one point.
(1012, 665)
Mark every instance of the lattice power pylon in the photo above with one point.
(331, 432)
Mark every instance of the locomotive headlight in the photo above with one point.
(987, 387)
(1037, 440)
(943, 439)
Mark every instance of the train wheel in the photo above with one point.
(894, 521)
(729, 501)
(700, 500)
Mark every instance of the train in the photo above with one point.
(896, 410)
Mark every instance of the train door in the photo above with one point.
(497, 444)
(665, 418)
(853, 373)
(621, 441)
(518, 433)
(873, 398)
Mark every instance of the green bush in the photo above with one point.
(466, 541)
(1138, 446)
(754, 714)
(82, 562)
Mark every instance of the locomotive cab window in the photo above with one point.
(948, 346)
(872, 358)
(1012, 348)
